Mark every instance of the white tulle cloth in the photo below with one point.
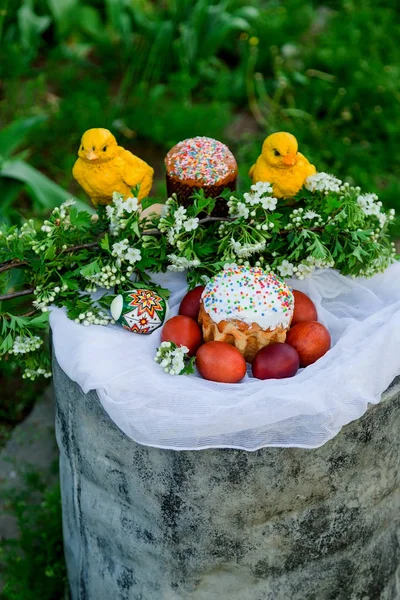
(190, 413)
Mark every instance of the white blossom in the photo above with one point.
(262, 187)
(119, 248)
(246, 250)
(323, 182)
(180, 263)
(251, 199)
(130, 205)
(98, 317)
(171, 358)
(191, 224)
(180, 216)
(269, 203)
(25, 344)
(32, 374)
(310, 214)
(286, 268)
(133, 255)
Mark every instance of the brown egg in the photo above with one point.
(275, 361)
(182, 331)
(304, 308)
(190, 304)
(219, 361)
(310, 339)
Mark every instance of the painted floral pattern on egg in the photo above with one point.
(139, 310)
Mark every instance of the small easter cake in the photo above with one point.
(201, 162)
(247, 307)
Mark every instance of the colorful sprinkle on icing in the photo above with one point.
(251, 295)
(201, 159)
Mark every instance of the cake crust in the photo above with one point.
(247, 338)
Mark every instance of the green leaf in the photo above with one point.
(63, 13)
(90, 22)
(47, 193)
(189, 367)
(135, 227)
(90, 269)
(80, 218)
(105, 243)
(358, 252)
(147, 202)
(16, 133)
(7, 344)
(31, 26)
(39, 322)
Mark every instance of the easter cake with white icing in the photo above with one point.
(247, 307)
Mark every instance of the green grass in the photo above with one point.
(33, 566)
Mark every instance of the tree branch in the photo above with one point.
(16, 294)
(80, 247)
(201, 222)
(11, 264)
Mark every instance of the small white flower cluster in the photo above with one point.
(11, 236)
(370, 205)
(123, 252)
(171, 357)
(303, 269)
(180, 263)
(302, 218)
(259, 195)
(46, 297)
(32, 374)
(47, 227)
(182, 223)
(94, 317)
(285, 269)
(119, 211)
(61, 214)
(27, 229)
(323, 182)
(378, 265)
(107, 278)
(246, 250)
(24, 344)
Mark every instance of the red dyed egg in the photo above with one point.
(190, 304)
(219, 361)
(275, 361)
(304, 308)
(311, 340)
(182, 331)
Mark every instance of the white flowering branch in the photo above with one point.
(74, 254)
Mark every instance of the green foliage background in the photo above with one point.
(156, 72)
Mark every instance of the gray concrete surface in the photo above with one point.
(277, 524)
(32, 447)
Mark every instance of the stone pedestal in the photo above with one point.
(277, 524)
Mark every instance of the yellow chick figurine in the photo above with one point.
(103, 167)
(282, 165)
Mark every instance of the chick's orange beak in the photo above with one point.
(289, 160)
(91, 155)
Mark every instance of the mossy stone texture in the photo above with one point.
(142, 523)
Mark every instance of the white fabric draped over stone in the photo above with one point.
(190, 413)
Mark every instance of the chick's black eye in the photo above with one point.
(277, 153)
(104, 148)
(82, 148)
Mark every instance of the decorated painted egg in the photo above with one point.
(139, 310)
